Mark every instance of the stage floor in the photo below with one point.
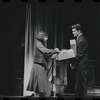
(91, 93)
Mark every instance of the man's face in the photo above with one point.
(75, 32)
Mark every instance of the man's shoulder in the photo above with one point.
(82, 37)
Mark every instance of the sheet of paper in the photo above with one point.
(65, 54)
(73, 45)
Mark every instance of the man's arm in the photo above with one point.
(81, 50)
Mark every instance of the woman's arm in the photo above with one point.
(45, 50)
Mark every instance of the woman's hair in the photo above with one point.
(41, 35)
(77, 26)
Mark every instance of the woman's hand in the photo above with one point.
(56, 49)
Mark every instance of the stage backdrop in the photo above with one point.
(56, 19)
(47, 18)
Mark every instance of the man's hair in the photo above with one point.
(77, 26)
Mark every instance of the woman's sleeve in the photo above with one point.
(43, 49)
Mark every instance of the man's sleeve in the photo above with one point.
(81, 50)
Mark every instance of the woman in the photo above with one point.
(38, 81)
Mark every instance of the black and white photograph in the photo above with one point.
(49, 49)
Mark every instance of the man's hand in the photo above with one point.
(72, 66)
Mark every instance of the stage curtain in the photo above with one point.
(50, 18)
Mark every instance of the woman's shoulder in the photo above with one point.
(39, 43)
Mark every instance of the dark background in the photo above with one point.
(12, 32)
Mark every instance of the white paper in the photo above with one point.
(73, 46)
(65, 54)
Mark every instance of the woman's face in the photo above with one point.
(45, 38)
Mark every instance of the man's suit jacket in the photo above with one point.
(82, 52)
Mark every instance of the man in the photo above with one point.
(80, 62)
